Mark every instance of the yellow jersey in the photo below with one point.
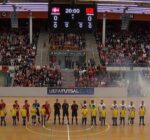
(23, 112)
(142, 112)
(115, 113)
(2, 113)
(13, 112)
(93, 112)
(122, 113)
(84, 112)
(103, 113)
(132, 113)
(33, 111)
(43, 111)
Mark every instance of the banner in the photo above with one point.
(70, 91)
(14, 20)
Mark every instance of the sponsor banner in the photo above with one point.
(70, 91)
(14, 20)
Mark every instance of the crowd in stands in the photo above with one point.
(96, 76)
(16, 50)
(15, 47)
(125, 48)
(61, 41)
(31, 76)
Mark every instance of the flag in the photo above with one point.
(55, 10)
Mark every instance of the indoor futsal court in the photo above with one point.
(76, 132)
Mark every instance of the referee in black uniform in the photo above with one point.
(57, 107)
(65, 107)
(74, 108)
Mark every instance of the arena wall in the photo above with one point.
(42, 92)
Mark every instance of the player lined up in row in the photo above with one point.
(42, 114)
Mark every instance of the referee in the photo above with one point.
(65, 107)
(74, 108)
(57, 107)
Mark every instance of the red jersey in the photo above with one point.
(47, 107)
(16, 106)
(26, 106)
(2, 105)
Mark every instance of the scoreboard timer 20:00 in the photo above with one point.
(72, 18)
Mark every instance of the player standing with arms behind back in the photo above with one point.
(74, 108)
(57, 107)
(65, 107)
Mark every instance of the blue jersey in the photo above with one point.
(36, 105)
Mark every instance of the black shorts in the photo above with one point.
(74, 114)
(56, 113)
(65, 113)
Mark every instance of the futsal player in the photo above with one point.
(114, 115)
(84, 112)
(114, 105)
(24, 115)
(123, 104)
(17, 107)
(84, 104)
(14, 115)
(3, 116)
(65, 107)
(43, 115)
(57, 107)
(36, 105)
(132, 115)
(142, 111)
(33, 115)
(93, 114)
(122, 115)
(27, 106)
(74, 108)
(103, 116)
(130, 106)
(48, 110)
(100, 107)
(2, 104)
(91, 104)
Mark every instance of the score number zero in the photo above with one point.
(55, 18)
(89, 21)
(55, 24)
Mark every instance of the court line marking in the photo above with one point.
(89, 128)
(128, 138)
(68, 132)
(85, 135)
(34, 132)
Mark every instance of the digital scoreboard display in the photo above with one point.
(72, 18)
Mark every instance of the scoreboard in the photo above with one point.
(72, 18)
